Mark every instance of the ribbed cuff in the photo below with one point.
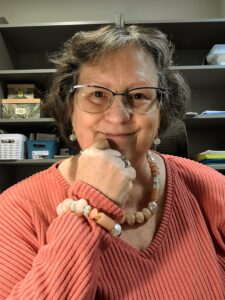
(96, 199)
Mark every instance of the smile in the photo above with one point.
(120, 134)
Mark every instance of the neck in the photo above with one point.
(139, 196)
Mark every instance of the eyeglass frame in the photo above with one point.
(162, 91)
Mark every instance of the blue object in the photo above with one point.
(41, 149)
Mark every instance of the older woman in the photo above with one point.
(117, 221)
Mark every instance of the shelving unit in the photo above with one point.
(24, 51)
(22, 126)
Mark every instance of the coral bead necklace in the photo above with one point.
(146, 213)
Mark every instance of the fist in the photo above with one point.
(105, 170)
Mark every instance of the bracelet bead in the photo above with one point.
(93, 213)
(73, 206)
(80, 204)
(82, 208)
(59, 209)
(105, 221)
(66, 204)
(86, 210)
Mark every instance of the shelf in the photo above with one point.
(203, 76)
(25, 122)
(29, 162)
(219, 167)
(202, 122)
(21, 125)
(199, 121)
(191, 34)
(44, 37)
(197, 76)
(40, 77)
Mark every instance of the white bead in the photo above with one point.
(153, 206)
(116, 231)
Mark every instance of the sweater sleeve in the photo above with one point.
(96, 199)
(66, 266)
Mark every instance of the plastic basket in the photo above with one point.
(12, 146)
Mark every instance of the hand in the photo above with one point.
(103, 169)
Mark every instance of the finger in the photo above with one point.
(113, 152)
(100, 144)
(131, 173)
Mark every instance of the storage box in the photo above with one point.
(12, 146)
(21, 108)
(18, 91)
(41, 149)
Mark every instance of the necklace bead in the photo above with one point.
(146, 213)
(139, 217)
(130, 219)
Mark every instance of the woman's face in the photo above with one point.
(128, 132)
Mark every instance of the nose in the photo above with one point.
(118, 112)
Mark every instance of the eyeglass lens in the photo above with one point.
(98, 99)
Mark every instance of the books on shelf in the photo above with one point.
(206, 114)
(213, 113)
(213, 158)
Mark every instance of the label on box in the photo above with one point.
(20, 111)
(21, 108)
(40, 154)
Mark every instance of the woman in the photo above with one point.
(116, 221)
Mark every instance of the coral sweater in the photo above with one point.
(43, 256)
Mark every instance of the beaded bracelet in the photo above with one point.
(82, 208)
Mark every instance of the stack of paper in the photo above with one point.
(213, 112)
(212, 158)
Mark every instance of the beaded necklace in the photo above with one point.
(146, 213)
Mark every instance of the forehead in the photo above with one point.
(130, 63)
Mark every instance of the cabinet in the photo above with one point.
(23, 58)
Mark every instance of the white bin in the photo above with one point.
(12, 146)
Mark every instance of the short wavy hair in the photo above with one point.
(91, 46)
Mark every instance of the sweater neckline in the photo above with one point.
(163, 226)
(160, 233)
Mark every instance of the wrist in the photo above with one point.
(96, 199)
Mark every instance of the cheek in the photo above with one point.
(150, 128)
(83, 126)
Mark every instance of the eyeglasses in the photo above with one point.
(97, 99)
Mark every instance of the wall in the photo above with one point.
(33, 11)
(222, 6)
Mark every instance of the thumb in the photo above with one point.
(100, 144)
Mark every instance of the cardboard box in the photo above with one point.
(21, 91)
(21, 108)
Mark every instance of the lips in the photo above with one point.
(118, 133)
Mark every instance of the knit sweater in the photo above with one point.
(45, 256)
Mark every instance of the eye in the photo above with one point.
(137, 96)
(98, 94)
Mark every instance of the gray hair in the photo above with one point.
(92, 46)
